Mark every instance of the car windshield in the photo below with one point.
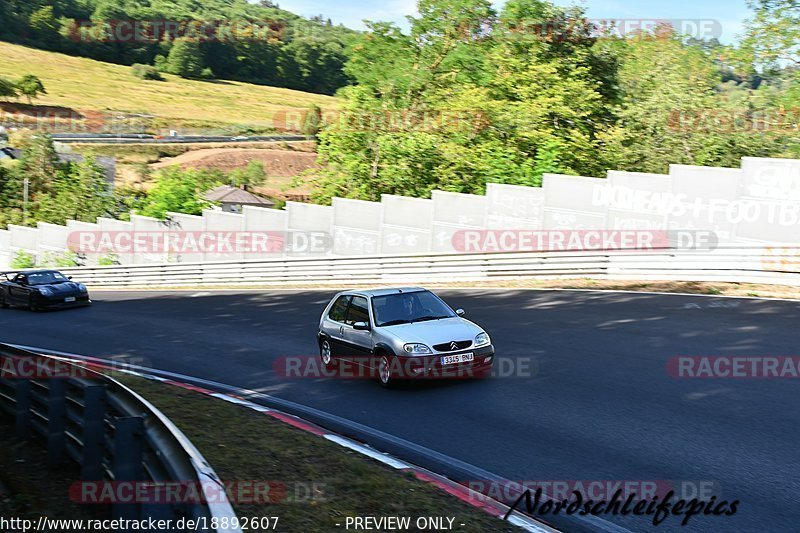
(46, 278)
(410, 307)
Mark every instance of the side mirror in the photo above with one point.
(361, 326)
(69, 277)
(460, 312)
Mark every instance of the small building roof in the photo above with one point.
(228, 194)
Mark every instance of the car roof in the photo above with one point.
(371, 293)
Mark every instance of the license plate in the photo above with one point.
(460, 358)
(69, 300)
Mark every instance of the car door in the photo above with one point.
(358, 342)
(18, 290)
(333, 324)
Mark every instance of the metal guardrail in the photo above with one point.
(778, 266)
(110, 431)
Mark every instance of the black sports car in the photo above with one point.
(42, 289)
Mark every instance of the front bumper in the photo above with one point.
(58, 302)
(431, 367)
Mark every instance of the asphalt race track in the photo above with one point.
(595, 401)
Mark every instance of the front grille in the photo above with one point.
(452, 346)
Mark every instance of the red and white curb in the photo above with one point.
(471, 497)
(466, 495)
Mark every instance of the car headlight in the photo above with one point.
(482, 340)
(414, 348)
(82, 287)
(44, 291)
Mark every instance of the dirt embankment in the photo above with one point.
(276, 162)
(282, 167)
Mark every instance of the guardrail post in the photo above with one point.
(22, 395)
(127, 464)
(94, 414)
(56, 411)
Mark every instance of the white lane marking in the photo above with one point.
(244, 403)
(369, 452)
(527, 524)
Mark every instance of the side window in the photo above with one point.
(339, 308)
(358, 311)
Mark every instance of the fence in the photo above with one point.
(779, 266)
(111, 432)
(755, 205)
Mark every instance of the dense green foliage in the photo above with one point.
(57, 191)
(466, 96)
(181, 191)
(256, 43)
(30, 86)
(470, 96)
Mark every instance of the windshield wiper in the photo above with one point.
(428, 318)
(395, 323)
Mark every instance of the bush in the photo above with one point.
(108, 260)
(59, 260)
(147, 72)
(23, 260)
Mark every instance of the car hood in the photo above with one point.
(435, 331)
(61, 288)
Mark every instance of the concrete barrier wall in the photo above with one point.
(272, 221)
(407, 224)
(453, 212)
(113, 228)
(310, 227)
(757, 204)
(219, 221)
(152, 225)
(356, 227)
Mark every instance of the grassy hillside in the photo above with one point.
(87, 85)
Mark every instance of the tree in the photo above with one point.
(39, 164)
(31, 86)
(253, 175)
(675, 111)
(462, 100)
(44, 24)
(81, 193)
(7, 88)
(179, 191)
(185, 58)
(772, 35)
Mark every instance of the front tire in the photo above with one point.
(326, 355)
(32, 304)
(385, 373)
(3, 303)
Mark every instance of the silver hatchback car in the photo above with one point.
(403, 333)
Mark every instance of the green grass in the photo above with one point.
(87, 85)
(243, 445)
